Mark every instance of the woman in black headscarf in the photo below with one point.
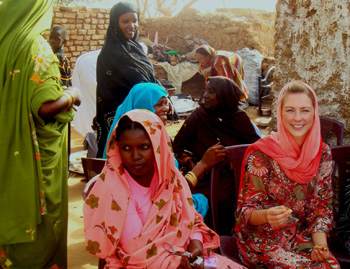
(218, 119)
(121, 64)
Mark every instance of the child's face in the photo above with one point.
(56, 41)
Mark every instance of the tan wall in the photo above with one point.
(312, 43)
(87, 29)
(225, 31)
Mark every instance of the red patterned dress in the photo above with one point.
(289, 246)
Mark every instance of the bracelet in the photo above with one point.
(191, 178)
(69, 97)
(186, 159)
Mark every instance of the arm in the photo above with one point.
(52, 108)
(212, 156)
(319, 211)
(320, 239)
(275, 216)
(254, 207)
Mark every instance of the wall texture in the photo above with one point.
(312, 43)
(227, 30)
(86, 28)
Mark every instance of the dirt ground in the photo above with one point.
(77, 256)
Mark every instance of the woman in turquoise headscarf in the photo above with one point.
(153, 97)
(34, 115)
(141, 96)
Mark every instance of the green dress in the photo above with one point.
(33, 159)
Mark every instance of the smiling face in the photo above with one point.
(162, 108)
(298, 114)
(129, 24)
(210, 99)
(137, 155)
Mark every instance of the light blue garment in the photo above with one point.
(201, 203)
(141, 96)
(256, 129)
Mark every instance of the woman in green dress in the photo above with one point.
(34, 116)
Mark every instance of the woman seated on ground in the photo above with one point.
(284, 209)
(141, 206)
(217, 120)
(153, 97)
(221, 63)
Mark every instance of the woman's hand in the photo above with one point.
(196, 249)
(76, 95)
(276, 216)
(320, 253)
(214, 155)
(52, 108)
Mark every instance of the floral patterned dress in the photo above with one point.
(265, 185)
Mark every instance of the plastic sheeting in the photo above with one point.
(252, 67)
(179, 73)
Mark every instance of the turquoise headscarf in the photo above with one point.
(145, 96)
(141, 96)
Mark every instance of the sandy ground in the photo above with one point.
(77, 257)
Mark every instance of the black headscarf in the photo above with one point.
(228, 94)
(227, 123)
(120, 65)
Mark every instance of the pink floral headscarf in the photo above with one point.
(172, 218)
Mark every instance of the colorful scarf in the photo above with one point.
(299, 164)
(224, 63)
(172, 218)
(141, 96)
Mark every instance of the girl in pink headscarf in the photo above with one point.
(140, 212)
(284, 209)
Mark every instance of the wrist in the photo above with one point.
(191, 178)
(70, 98)
(265, 215)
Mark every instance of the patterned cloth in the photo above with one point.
(224, 63)
(277, 171)
(290, 245)
(33, 163)
(66, 77)
(172, 218)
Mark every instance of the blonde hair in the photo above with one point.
(298, 87)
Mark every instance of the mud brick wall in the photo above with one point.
(226, 30)
(86, 28)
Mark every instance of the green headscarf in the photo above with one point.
(33, 150)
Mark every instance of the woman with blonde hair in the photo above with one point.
(284, 209)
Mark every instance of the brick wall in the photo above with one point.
(87, 29)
